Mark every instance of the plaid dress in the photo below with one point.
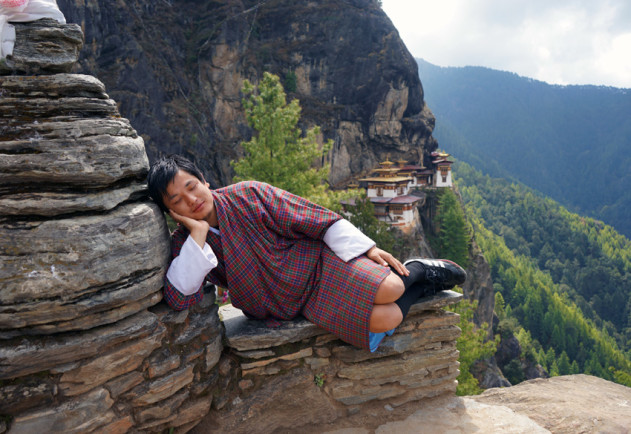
(272, 259)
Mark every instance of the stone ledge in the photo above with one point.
(243, 334)
(298, 374)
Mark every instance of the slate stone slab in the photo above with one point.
(244, 334)
(24, 356)
(71, 258)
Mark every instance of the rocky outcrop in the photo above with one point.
(176, 70)
(569, 404)
(479, 288)
(85, 344)
(488, 374)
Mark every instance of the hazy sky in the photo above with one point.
(558, 41)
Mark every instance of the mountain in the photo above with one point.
(176, 69)
(562, 281)
(573, 143)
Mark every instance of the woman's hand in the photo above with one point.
(197, 228)
(382, 257)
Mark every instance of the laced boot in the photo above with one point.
(440, 274)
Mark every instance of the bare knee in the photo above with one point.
(390, 289)
(385, 317)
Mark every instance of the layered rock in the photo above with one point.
(68, 253)
(177, 70)
(297, 375)
(85, 344)
(45, 47)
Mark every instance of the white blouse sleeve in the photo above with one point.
(346, 241)
(189, 269)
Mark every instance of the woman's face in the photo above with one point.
(189, 197)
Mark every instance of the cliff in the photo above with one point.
(176, 70)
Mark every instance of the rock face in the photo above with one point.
(479, 287)
(84, 343)
(176, 70)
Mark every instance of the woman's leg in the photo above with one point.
(385, 317)
(390, 290)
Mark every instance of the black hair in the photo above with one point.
(162, 173)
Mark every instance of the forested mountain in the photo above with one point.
(564, 280)
(572, 143)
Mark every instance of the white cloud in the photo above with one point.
(565, 42)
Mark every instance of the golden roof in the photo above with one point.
(387, 179)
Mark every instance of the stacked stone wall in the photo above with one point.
(85, 344)
(297, 376)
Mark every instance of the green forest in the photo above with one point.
(569, 142)
(561, 280)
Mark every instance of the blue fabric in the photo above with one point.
(376, 338)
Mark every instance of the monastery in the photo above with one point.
(396, 189)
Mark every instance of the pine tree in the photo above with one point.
(499, 305)
(564, 364)
(363, 217)
(473, 346)
(277, 154)
(453, 236)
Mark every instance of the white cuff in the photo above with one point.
(346, 241)
(189, 269)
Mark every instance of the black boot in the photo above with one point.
(440, 273)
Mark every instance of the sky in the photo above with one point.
(556, 41)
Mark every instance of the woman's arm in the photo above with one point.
(192, 260)
(348, 242)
